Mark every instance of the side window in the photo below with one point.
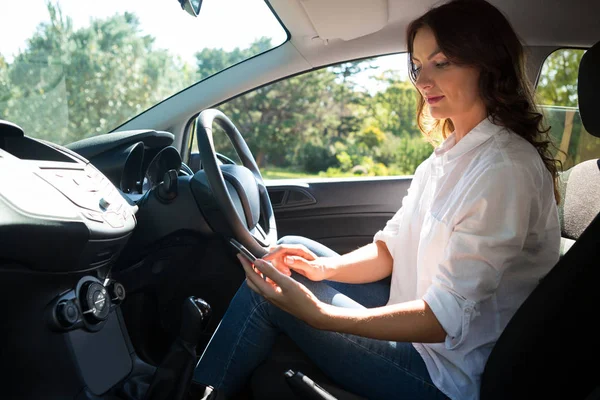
(557, 97)
(349, 120)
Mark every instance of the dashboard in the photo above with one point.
(84, 224)
(134, 161)
(81, 225)
(63, 225)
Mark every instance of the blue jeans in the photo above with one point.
(376, 369)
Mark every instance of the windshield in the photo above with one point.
(72, 69)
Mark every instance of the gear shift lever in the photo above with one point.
(173, 376)
(194, 319)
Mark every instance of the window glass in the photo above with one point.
(557, 97)
(70, 69)
(349, 120)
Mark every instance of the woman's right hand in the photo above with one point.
(300, 259)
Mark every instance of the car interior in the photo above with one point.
(115, 261)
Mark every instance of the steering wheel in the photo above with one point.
(238, 191)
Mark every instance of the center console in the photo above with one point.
(62, 226)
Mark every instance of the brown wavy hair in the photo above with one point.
(475, 33)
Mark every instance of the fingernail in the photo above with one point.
(289, 260)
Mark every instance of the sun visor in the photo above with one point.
(346, 19)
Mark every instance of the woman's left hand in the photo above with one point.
(284, 292)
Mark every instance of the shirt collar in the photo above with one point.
(450, 150)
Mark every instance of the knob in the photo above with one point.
(116, 291)
(167, 189)
(194, 318)
(67, 313)
(95, 302)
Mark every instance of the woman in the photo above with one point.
(477, 230)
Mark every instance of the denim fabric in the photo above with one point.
(376, 369)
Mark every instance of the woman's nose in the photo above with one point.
(423, 82)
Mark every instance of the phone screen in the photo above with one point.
(245, 252)
(249, 256)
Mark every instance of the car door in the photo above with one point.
(342, 214)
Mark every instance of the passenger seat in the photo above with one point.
(580, 201)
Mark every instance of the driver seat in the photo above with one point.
(547, 347)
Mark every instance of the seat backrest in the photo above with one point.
(580, 200)
(548, 349)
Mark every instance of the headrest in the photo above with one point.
(588, 88)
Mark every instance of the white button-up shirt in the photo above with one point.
(476, 232)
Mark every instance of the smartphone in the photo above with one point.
(245, 252)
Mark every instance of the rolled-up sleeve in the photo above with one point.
(487, 230)
(391, 229)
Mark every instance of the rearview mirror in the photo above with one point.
(192, 7)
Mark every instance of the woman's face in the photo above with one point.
(451, 91)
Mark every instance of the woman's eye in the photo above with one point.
(442, 64)
(416, 70)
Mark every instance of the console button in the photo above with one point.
(67, 313)
(113, 219)
(104, 203)
(93, 216)
(117, 292)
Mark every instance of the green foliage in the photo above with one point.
(314, 157)
(395, 109)
(70, 84)
(557, 93)
(324, 121)
(405, 153)
(211, 61)
(371, 136)
(558, 81)
(276, 120)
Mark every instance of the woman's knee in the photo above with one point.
(314, 246)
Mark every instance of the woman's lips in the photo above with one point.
(435, 99)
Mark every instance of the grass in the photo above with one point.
(271, 172)
(284, 173)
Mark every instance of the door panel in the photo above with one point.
(342, 214)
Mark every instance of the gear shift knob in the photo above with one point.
(195, 316)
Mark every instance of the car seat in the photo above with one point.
(548, 350)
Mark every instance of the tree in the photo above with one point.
(556, 89)
(558, 81)
(278, 119)
(324, 119)
(348, 95)
(395, 108)
(211, 61)
(70, 84)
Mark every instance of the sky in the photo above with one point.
(221, 24)
(172, 27)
